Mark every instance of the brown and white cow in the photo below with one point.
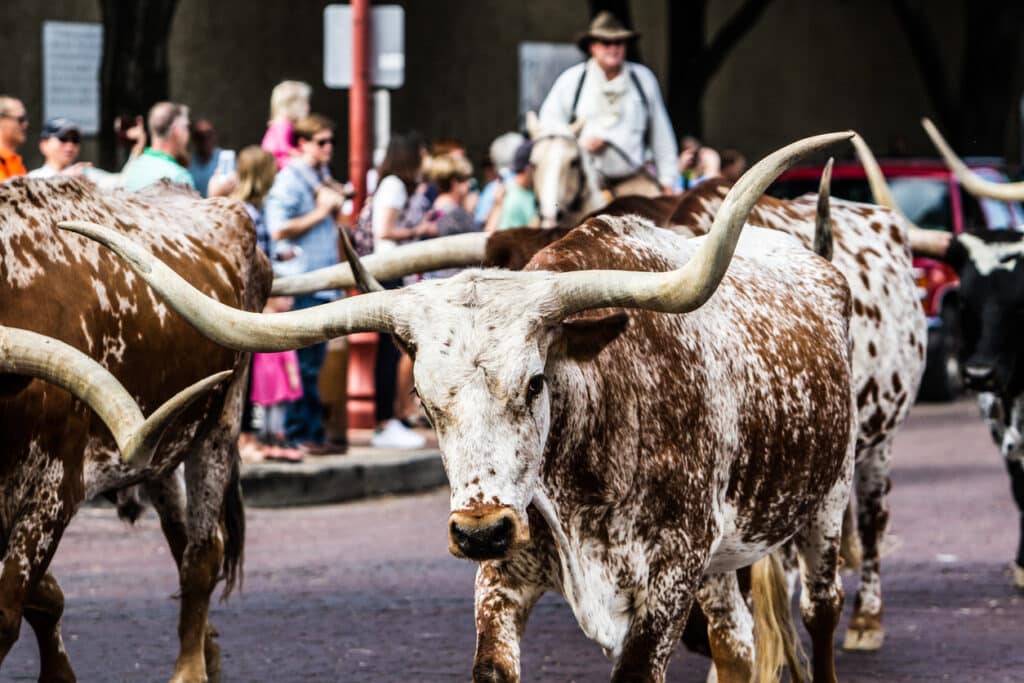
(872, 250)
(620, 458)
(888, 333)
(55, 453)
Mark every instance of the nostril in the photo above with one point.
(503, 529)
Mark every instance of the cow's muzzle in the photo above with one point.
(980, 377)
(487, 533)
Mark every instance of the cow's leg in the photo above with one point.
(730, 627)
(1016, 471)
(167, 494)
(871, 480)
(657, 629)
(43, 610)
(821, 597)
(505, 594)
(30, 547)
(208, 475)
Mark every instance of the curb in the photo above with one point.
(361, 473)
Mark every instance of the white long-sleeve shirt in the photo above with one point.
(614, 111)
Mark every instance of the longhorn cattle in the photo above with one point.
(992, 323)
(619, 457)
(888, 335)
(872, 250)
(57, 454)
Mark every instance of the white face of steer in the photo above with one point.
(482, 348)
(480, 356)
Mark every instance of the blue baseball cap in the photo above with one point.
(57, 126)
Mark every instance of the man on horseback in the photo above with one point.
(620, 106)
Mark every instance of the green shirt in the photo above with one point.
(518, 208)
(151, 166)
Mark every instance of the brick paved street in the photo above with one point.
(368, 592)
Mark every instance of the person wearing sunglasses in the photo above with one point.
(301, 212)
(13, 129)
(60, 143)
(624, 121)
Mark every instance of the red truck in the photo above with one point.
(932, 198)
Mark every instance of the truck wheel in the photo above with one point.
(943, 379)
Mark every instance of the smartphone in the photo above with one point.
(226, 162)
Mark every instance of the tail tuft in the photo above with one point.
(776, 644)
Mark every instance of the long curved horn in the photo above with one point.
(238, 329)
(28, 353)
(823, 220)
(689, 287)
(932, 243)
(453, 251)
(366, 282)
(972, 182)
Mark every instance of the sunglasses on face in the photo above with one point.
(73, 138)
(323, 142)
(23, 119)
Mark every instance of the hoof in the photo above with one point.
(1018, 577)
(490, 672)
(864, 640)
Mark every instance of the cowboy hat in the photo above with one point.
(605, 26)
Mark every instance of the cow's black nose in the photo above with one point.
(483, 542)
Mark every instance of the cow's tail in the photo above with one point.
(129, 503)
(776, 644)
(234, 530)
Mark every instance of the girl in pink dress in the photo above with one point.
(289, 102)
(275, 384)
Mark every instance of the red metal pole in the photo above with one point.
(359, 118)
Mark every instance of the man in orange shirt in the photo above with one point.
(13, 127)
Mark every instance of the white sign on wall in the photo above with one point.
(72, 58)
(387, 61)
(539, 65)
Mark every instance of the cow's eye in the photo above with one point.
(534, 387)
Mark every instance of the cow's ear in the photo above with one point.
(584, 338)
(956, 255)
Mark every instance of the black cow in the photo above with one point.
(992, 319)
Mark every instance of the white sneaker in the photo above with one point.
(396, 435)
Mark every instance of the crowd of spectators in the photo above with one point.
(297, 207)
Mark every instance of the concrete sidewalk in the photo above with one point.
(363, 472)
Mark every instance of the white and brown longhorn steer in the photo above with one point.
(619, 456)
(55, 453)
(871, 248)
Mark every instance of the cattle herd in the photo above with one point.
(666, 413)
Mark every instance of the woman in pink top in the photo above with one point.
(289, 102)
(275, 384)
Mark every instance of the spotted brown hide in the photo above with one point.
(888, 333)
(513, 248)
(689, 446)
(55, 452)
